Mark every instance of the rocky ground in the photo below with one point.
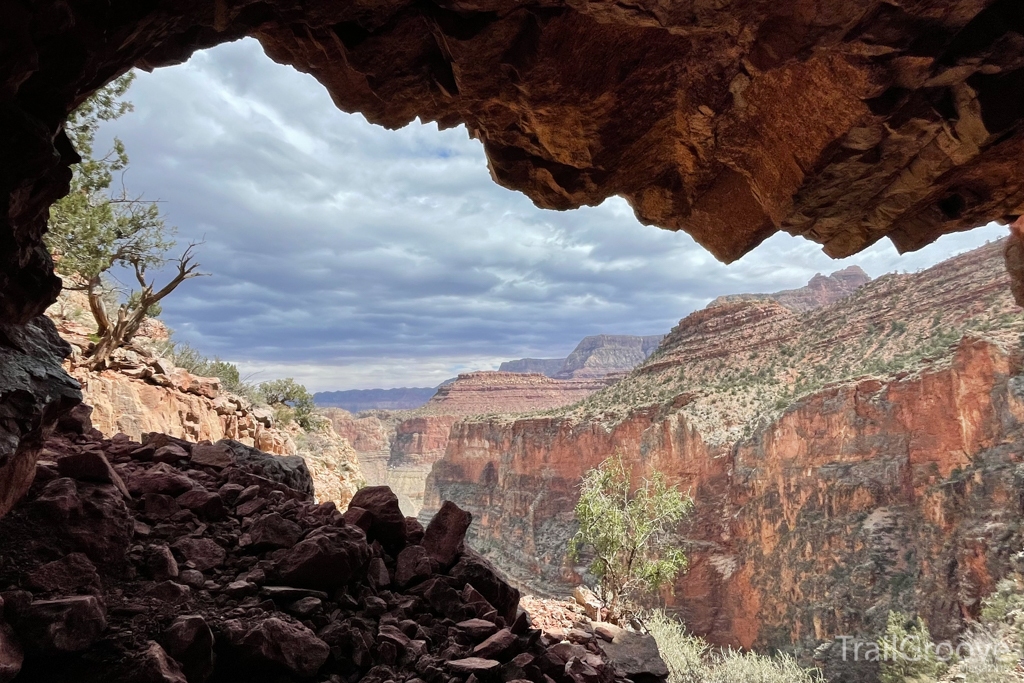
(171, 562)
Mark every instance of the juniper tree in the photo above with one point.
(96, 228)
(628, 533)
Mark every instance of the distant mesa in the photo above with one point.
(593, 358)
(596, 356)
(358, 400)
(821, 290)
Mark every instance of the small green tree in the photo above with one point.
(290, 400)
(628, 533)
(906, 651)
(93, 229)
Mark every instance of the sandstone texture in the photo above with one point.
(822, 290)
(843, 122)
(142, 393)
(270, 587)
(889, 478)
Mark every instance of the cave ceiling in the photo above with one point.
(841, 121)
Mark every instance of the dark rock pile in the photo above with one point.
(171, 562)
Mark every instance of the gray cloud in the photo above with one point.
(350, 256)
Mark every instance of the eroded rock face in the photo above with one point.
(897, 488)
(34, 393)
(840, 121)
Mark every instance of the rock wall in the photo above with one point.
(902, 493)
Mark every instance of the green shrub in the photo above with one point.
(629, 533)
(906, 653)
(691, 660)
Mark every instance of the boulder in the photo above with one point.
(155, 666)
(160, 563)
(388, 522)
(205, 504)
(274, 531)
(472, 665)
(62, 626)
(496, 645)
(327, 558)
(290, 646)
(190, 641)
(11, 655)
(66, 575)
(157, 506)
(171, 453)
(413, 531)
(633, 655)
(412, 565)
(161, 478)
(446, 533)
(85, 517)
(215, 455)
(34, 392)
(91, 466)
(289, 470)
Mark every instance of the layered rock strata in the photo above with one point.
(126, 563)
(816, 513)
(821, 290)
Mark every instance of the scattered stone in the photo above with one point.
(483, 576)
(204, 503)
(170, 592)
(377, 573)
(413, 531)
(477, 629)
(159, 506)
(306, 607)
(161, 478)
(590, 603)
(634, 655)
(192, 578)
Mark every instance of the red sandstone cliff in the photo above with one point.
(821, 502)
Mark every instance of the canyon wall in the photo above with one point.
(861, 498)
(817, 511)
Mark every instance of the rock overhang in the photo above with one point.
(842, 122)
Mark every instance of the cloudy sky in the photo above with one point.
(349, 256)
